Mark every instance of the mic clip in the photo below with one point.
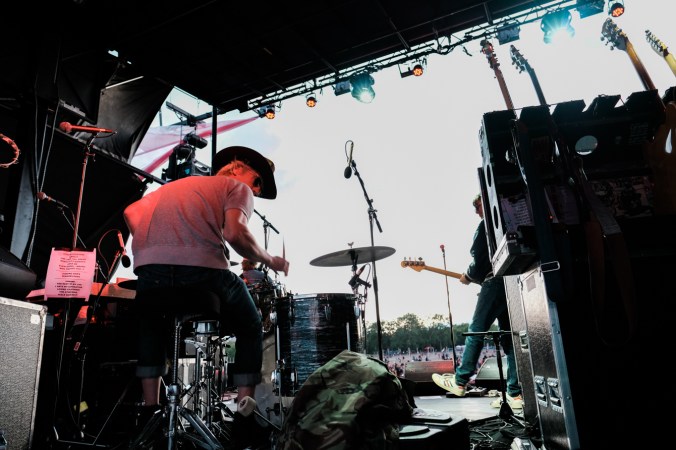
(355, 280)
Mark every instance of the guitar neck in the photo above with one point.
(538, 88)
(671, 61)
(443, 272)
(639, 67)
(503, 88)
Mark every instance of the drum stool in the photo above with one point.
(186, 306)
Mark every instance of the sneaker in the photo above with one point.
(513, 402)
(447, 381)
(249, 433)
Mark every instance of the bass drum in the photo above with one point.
(311, 329)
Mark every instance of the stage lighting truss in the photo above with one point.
(557, 24)
(615, 8)
(588, 8)
(416, 69)
(340, 80)
(362, 87)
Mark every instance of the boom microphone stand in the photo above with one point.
(372, 217)
(450, 317)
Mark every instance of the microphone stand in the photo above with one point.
(450, 317)
(76, 225)
(87, 154)
(372, 217)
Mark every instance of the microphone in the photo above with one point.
(44, 197)
(442, 248)
(355, 279)
(348, 170)
(67, 128)
(126, 262)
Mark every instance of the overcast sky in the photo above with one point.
(417, 150)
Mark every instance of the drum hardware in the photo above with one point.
(353, 257)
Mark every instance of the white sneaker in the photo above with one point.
(513, 402)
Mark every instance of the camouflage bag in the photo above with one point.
(351, 402)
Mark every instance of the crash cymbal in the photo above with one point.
(353, 256)
(234, 263)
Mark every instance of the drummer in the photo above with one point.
(253, 276)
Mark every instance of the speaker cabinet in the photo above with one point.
(22, 332)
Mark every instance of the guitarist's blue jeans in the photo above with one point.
(491, 305)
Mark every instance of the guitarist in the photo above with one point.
(491, 305)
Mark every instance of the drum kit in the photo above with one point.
(301, 332)
(305, 331)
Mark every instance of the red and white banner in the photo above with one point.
(159, 142)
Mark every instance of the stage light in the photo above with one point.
(418, 69)
(589, 8)
(615, 8)
(311, 100)
(342, 87)
(556, 25)
(266, 111)
(508, 32)
(362, 88)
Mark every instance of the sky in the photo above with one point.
(417, 152)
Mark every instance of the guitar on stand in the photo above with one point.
(487, 49)
(661, 49)
(599, 222)
(616, 38)
(659, 153)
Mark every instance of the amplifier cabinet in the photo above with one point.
(592, 360)
(22, 332)
(522, 354)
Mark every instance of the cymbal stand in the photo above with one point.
(354, 282)
(280, 369)
(372, 218)
(266, 235)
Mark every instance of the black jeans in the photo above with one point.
(238, 314)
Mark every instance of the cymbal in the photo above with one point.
(352, 256)
(234, 263)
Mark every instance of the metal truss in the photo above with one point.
(443, 45)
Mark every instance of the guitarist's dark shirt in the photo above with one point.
(480, 268)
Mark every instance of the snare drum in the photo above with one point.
(312, 329)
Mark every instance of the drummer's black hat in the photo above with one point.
(264, 166)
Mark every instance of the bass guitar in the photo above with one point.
(661, 50)
(419, 266)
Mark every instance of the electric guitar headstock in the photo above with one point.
(487, 49)
(518, 60)
(657, 45)
(417, 265)
(613, 35)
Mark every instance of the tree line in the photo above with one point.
(411, 332)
